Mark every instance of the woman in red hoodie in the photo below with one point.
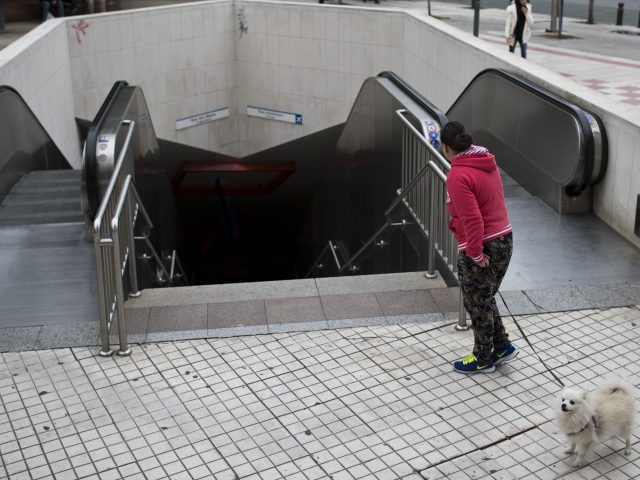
(479, 220)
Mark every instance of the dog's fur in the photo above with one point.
(597, 416)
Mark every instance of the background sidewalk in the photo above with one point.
(595, 55)
(599, 55)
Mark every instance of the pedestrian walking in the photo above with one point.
(479, 220)
(519, 25)
(46, 8)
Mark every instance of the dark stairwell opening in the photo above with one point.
(240, 217)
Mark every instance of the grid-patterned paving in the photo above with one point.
(355, 403)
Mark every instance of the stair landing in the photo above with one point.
(291, 305)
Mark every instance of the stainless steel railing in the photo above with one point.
(114, 243)
(424, 178)
(424, 194)
(109, 266)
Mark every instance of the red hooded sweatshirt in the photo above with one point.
(475, 201)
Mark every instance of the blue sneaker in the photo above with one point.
(505, 354)
(469, 365)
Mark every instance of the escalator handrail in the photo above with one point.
(416, 96)
(90, 160)
(15, 92)
(578, 113)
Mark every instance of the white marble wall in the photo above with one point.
(37, 66)
(309, 59)
(183, 57)
(302, 58)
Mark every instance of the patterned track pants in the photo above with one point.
(479, 287)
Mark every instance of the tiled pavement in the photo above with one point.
(332, 400)
(376, 402)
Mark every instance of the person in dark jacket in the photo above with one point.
(479, 220)
(46, 6)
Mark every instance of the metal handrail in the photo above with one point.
(114, 244)
(423, 192)
(115, 176)
(108, 265)
(123, 254)
(440, 239)
(423, 207)
(402, 193)
(317, 263)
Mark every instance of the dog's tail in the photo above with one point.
(618, 386)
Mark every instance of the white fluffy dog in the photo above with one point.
(596, 416)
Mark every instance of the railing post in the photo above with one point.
(117, 266)
(462, 314)
(133, 271)
(102, 301)
(435, 224)
(476, 17)
(431, 228)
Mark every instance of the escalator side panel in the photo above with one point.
(151, 179)
(24, 143)
(548, 145)
(361, 181)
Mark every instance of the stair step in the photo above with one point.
(59, 198)
(45, 189)
(41, 220)
(326, 286)
(55, 174)
(43, 197)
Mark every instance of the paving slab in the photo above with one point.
(558, 299)
(68, 335)
(604, 296)
(293, 310)
(17, 339)
(376, 283)
(406, 302)
(176, 335)
(515, 303)
(236, 314)
(180, 317)
(204, 294)
(338, 307)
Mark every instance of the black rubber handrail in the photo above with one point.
(90, 164)
(15, 92)
(579, 114)
(416, 96)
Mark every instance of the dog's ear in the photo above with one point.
(584, 394)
